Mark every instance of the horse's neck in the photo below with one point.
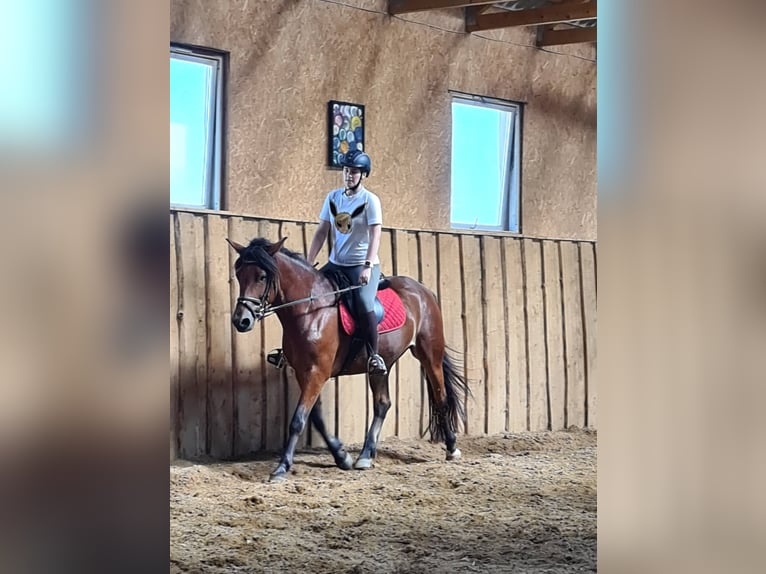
(298, 282)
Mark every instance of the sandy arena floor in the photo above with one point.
(514, 503)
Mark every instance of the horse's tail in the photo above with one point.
(456, 388)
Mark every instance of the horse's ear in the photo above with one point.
(236, 246)
(275, 247)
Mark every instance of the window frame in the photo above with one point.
(510, 208)
(215, 176)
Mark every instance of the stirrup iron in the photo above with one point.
(376, 365)
(277, 358)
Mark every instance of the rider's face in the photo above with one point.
(352, 176)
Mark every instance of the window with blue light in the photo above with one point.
(486, 154)
(196, 126)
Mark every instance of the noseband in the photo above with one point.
(258, 307)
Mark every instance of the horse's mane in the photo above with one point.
(256, 253)
(337, 278)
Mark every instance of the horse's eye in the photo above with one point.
(262, 278)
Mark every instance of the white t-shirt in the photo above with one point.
(350, 217)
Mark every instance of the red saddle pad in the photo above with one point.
(393, 317)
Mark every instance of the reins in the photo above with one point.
(264, 309)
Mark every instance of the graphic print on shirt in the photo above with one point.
(344, 221)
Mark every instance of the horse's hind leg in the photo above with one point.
(444, 403)
(381, 404)
(342, 458)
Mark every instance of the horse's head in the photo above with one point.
(258, 279)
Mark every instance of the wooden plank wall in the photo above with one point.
(519, 313)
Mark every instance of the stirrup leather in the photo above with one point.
(277, 358)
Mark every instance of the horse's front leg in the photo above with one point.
(311, 384)
(297, 424)
(343, 460)
(381, 404)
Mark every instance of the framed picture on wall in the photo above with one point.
(345, 130)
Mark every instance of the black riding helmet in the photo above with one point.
(358, 159)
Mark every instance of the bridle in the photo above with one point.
(261, 308)
(258, 307)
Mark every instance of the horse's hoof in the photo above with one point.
(277, 477)
(346, 464)
(454, 455)
(363, 464)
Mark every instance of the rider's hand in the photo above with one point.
(364, 277)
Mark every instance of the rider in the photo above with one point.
(354, 214)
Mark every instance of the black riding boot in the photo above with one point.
(375, 364)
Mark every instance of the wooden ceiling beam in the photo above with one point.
(404, 6)
(548, 37)
(564, 12)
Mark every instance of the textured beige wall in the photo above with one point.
(289, 57)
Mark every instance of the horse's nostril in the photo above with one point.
(245, 323)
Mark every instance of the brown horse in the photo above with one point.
(273, 279)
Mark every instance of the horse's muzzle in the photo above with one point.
(242, 324)
(248, 311)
